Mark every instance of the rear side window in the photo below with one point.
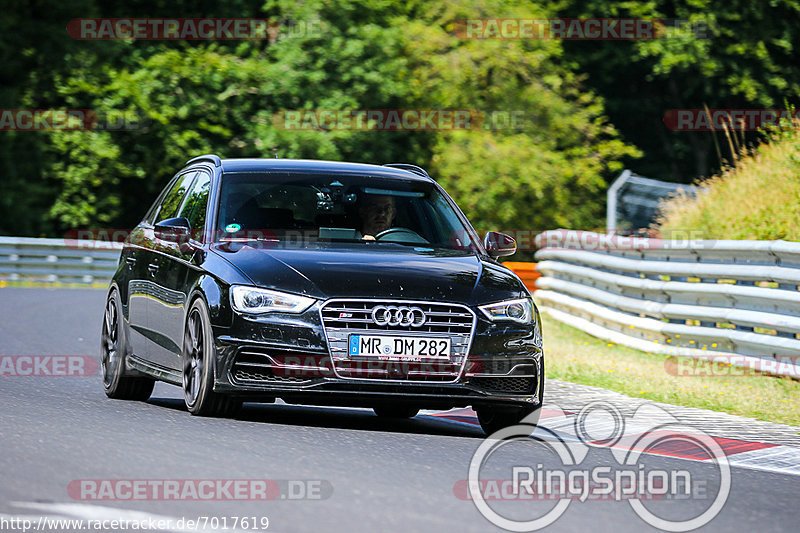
(173, 199)
(196, 204)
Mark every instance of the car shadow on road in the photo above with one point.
(339, 418)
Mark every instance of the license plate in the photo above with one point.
(405, 347)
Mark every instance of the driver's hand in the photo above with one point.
(367, 238)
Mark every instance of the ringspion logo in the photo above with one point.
(569, 478)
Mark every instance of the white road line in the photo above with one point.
(779, 459)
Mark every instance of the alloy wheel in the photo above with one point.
(193, 361)
(111, 355)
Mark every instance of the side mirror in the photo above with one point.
(499, 244)
(173, 230)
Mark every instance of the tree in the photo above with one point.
(223, 96)
(548, 170)
(736, 54)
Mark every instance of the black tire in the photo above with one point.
(495, 419)
(113, 351)
(198, 367)
(396, 411)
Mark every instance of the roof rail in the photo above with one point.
(411, 168)
(207, 157)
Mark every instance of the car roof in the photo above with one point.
(316, 166)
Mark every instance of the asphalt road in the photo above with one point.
(375, 475)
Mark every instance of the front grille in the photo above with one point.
(439, 318)
(510, 385)
(344, 317)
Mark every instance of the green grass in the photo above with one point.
(758, 199)
(574, 356)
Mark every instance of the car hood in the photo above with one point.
(379, 271)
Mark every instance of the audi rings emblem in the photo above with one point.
(390, 315)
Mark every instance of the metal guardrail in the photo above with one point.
(635, 200)
(694, 298)
(61, 260)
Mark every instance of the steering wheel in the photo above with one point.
(404, 235)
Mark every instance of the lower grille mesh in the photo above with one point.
(511, 385)
(254, 364)
(264, 376)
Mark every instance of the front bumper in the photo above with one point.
(289, 357)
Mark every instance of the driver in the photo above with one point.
(377, 214)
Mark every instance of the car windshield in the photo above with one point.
(310, 208)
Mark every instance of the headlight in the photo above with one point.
(515, 310)
(255, 301)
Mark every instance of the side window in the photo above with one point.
(169, 207)
(194, 208)
(151, 213)
(150, 217)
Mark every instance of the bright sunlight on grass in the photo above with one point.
(572, 355)
(758, 199)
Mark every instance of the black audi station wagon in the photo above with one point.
(320, 283)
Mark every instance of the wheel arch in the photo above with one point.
(214, 294)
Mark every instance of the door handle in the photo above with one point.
(131, 262)
(153, 268)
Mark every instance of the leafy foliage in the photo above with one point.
(193, 97)
(731, 54)
(757, 199)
